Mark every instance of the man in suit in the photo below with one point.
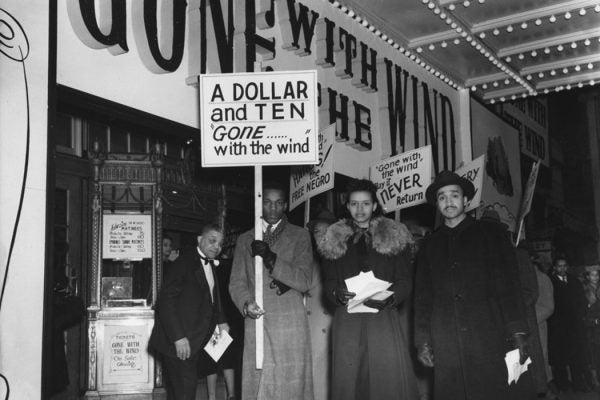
(188, 313)
(565, 328)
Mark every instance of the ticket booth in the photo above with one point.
(125, 274)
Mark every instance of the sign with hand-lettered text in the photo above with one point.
(473, 171)
(265, 118)
(402, 180)
(308, 181)
(126, 236)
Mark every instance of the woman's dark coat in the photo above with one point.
(467, 304)
(365, 344)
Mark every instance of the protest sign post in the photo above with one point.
(402, 180)
(256, 119)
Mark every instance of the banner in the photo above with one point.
(305, 181)
(402, 180)
(473, 171)
(268, 118)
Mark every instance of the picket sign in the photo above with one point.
(256, 119)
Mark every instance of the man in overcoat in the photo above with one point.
(188, 313)
(288, 269)
(566, 332)
(468, 306)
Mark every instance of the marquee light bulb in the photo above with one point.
(444, 44)
(590, 66)
(482, 35)
(547, 50)
(521, 56)
(466, 3)
(597, 8)
(451, 7)
(431, 47)
(574, 45)
(538, 22)
(567, 15)
(533, 53)
(582, 12)
(509, 28)
(577, 68)
(587, 42)
(496, 31)
(507, 59)
(559, 47)
(552, 19)
(524, 25)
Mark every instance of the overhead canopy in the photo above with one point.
(499, 49)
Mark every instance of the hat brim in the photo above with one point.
(446, 180)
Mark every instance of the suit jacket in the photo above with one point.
(184, 307)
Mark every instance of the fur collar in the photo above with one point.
(388, 238)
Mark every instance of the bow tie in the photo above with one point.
(212, 262)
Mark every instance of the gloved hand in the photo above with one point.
(280, 286)
(379, 304)
(342, 295)
(425, 355)
(520, 342)
(261, 248)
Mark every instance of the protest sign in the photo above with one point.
(401, 180)
(267, 118)
(473, 171)
(309, 181)
(256, 119)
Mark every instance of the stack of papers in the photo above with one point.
(366, 286)
(515, 369)
(218, 343)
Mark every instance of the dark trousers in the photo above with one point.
(182, 377)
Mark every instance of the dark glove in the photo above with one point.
(379, 304)
(342, 295)
(425, 355)
(520, 342)
(261, 248)
(280, 286)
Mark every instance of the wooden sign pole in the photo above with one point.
(258, 264)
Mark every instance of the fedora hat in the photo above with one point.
(446, 178)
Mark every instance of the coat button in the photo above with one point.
(458, 297)
(463, 329)
(308, 313)
(454, 265)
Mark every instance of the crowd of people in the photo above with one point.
(458, 301)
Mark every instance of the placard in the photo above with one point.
(126, 236)
(306, 181)
(267, 118)
(126, 350)
(402, 180)
(473, 171)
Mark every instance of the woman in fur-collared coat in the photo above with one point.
(370, 356)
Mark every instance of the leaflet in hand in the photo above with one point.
(514, 367)
(366, 286)
(218, 343)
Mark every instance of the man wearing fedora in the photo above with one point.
(468, 306)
